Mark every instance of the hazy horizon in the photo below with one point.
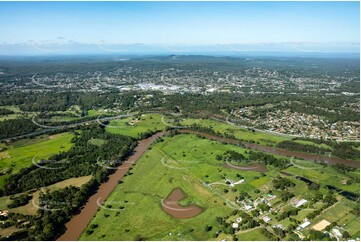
(43, 28)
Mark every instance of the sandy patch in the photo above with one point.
(54, 136)
(321, 225)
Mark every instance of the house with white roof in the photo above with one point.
(337, 233)
(266, 219)
(238, 220)
(304, 225)
(300, 203)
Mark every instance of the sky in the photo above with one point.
(179, 23)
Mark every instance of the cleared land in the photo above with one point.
(189, 162)
(20, 154)
(133, 207)
(262, 138)
(135, 125)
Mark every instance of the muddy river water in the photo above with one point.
(171, 205)
(277, 151)
(79, 222)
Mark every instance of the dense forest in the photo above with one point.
(80, 160)
(344, 150)
(14, 127)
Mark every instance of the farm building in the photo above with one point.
(337, 233)
(266, 219)
(304, 225)
(300, 203)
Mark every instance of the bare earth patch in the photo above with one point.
(171, 205)
(321, 225)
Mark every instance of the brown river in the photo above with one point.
(278, 151)
(79, 222)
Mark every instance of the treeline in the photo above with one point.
(61, 206)
(231, 155)
(20, 200)
(267, 159)
(15, 127)
(56, 208)
(81, 160)
(282, 183)
(328, 200)
(291, 145)
(61, 101)
(316, 141)
(5, 111)
(343, 150)
(209, 130)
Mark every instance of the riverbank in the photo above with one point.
(78, 223)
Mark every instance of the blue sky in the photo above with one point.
(194, 23)
(286, 26)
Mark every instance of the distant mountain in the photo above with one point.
(265, 49)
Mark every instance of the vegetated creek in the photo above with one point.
(346, 194)
(79, 222)
(278, 151)
(350, 195)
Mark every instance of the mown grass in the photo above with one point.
(133, 126)
(239, 133)
(20, 154)
(254, 235)
(97, 142)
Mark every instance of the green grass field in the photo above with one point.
(131, 126)
(253, 235)
(325, 176)
(262, 138)
(153, 179)
(187, 161)
(20, 154)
